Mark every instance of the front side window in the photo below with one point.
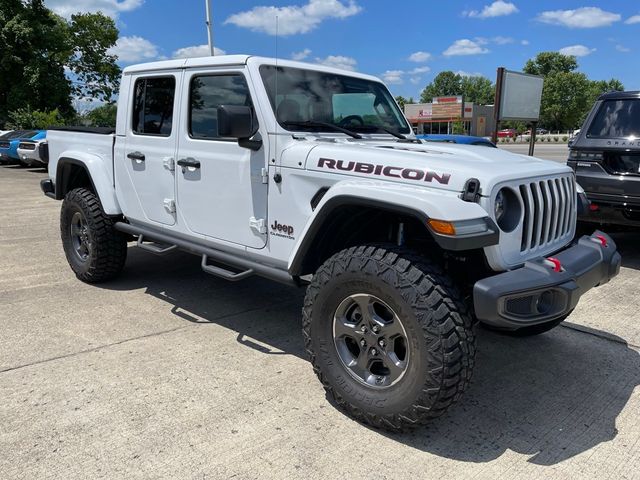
(153, 106)
(304, 99)
(207, 93)
(616, 119)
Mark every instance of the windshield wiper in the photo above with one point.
(330, 126)
(378, 128)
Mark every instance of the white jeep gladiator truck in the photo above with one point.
(311, 176)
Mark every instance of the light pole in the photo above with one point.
(210, 28)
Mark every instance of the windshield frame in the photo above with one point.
(403, 126)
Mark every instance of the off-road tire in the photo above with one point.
(439, 330)
(532, 330)
(107, 250)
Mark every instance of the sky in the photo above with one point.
(405, 42)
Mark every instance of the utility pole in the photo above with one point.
(210, 28)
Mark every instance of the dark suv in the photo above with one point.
(606, 158)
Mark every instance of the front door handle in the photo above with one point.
(189, 163)
(137, 156)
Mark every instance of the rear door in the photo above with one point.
(150, 146)
(225, 189)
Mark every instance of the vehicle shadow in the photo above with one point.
(629, 247)
(552, 397)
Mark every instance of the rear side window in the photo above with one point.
(153, 106)
(207, 93)
(616, 119)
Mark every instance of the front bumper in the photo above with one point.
(540, 291)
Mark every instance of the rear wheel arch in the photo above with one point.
(71, 174)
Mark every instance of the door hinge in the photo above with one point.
(169, 163)
(258, 224)
(170, 205)
(265, 175)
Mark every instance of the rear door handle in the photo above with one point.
(136, 156)
(189, 163)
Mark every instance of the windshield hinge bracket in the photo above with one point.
(265, 175)
(258, 224)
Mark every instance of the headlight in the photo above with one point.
(507, 210)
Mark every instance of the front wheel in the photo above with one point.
(95, 250)
(388, 335)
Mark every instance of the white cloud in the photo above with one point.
(338, 61)
(302, 55)
(393, 77)
(585, 17)
(633, 20)
(502, 40)
(524, 42)
(462, 73)
(396, 77)
(622, 48)
(196, 51)
(419, 70)
(577, 50)
(66, 8)
(496, 9)
(293, 19)
(465, 47)
(134, 49)
(420, 57)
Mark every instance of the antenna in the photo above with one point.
(209, 28)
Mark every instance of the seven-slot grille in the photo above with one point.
(549, 211)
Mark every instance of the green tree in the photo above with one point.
(103, 116)
(547, 63)
(568, 95)
(38, 45)
(476, 89)
(27, 119)
(445, 83)
(402, 101)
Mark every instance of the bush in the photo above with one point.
(556, 139)
(565, 138)
(27, 119)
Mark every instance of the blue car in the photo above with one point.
(462, 139)
(9, 143)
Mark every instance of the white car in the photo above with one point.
(311, 176)
(33, 153)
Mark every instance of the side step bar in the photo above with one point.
(247, 267)
(222, 273)
(153, 249)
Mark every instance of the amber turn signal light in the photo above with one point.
(442, 227)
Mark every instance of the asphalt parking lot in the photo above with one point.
(170, 373)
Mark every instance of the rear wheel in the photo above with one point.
(95, 250)
(388, 336)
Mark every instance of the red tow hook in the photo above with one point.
(555, 264)
(601, 239)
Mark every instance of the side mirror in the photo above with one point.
(237, 121)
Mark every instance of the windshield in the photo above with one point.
(307, 96)
(616, 119)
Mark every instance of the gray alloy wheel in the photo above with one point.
(370, 340)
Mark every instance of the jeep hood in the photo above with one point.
(434, 165)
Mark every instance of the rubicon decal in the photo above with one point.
(386, 171)
(280, 230)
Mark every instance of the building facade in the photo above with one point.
(448, 115)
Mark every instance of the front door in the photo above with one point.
(150, 146)
(220, 186)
